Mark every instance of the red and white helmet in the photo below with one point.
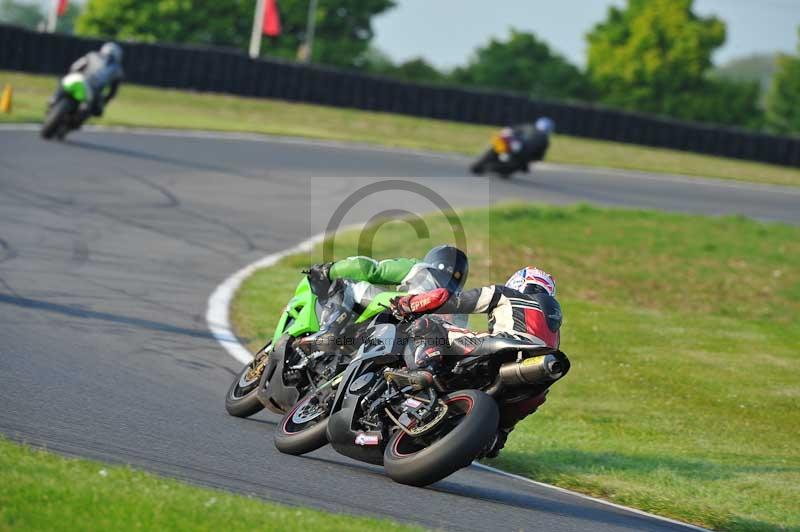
(532, 280)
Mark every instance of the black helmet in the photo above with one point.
(450, 265)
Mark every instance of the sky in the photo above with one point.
(445, 32)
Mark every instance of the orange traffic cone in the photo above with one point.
(5, 100)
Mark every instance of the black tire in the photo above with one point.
(54, 118)
(298, 437)
(481, 165)
(61, 134)
(242, 397)
(506, 170)
(408, 463)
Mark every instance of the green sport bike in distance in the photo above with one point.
(68, 111)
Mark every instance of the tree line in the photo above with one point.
(651, 56)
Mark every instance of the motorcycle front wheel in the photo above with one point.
(304, 428)
(479, 167)
(242, 397)
(54, 118)
(469, 427)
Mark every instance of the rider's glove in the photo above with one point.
(318, 277)
(319, 271)
(400, 307)
(407, 307)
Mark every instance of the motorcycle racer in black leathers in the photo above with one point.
(515, 148)
(524, 308)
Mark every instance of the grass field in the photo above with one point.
(43, 491)
(683, 333)
(148, 107)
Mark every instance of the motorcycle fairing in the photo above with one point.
(300, 315)
(378, 305)
(380, 348)
(499, 144)
(75, 85)
(272, 391)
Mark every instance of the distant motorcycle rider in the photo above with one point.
(443, 266)
(514, 148)
(524, 308)
(103, 74)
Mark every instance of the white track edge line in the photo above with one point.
(589, 497)
(217, 313)
(218, 321)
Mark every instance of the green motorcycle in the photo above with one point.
(280, 374)
(67, 111)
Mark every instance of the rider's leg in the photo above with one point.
(512, 413)
(335, 316)
(436, 338)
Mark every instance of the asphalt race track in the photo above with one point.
(111, 243)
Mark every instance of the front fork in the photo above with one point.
(261, 360)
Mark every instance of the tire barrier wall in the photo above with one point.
(233, 72)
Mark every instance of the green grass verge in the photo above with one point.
(683, 333)
(43, 491)
(147, 107)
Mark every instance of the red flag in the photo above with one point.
(272, 19)
(62, 7)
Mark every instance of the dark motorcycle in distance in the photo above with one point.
(499, 160)
(514, 149)
(69, 110)
(419, 425)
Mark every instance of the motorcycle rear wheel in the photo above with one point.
(470, 427)
(54, 118)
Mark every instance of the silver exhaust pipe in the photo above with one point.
(540, 370)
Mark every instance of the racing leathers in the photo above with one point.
(528, 143)
(532, 317)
